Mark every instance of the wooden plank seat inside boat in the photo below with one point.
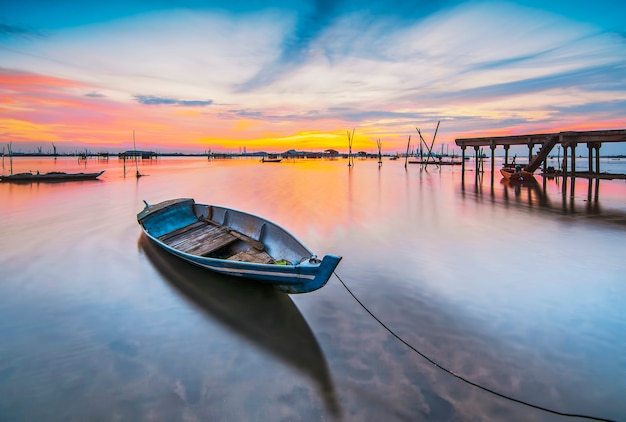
(252, 255)
(199, 238)
(206, 237)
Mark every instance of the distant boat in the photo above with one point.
(54, 176)
(452, 161)
(438, 161)
(272, 158)
(235, 243)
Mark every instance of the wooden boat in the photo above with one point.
(235, 243)
(450, 162)
(516, 174)
(53, 176)
(272, 158)
(438, 162)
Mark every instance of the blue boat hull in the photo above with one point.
(301, 273)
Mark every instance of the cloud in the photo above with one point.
(17, 31)
(322, 17)
(591, 78)
(152, 100)
(95, 95)
(352, 115)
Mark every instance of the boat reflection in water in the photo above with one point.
(261, 314)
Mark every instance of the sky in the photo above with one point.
(192, 76)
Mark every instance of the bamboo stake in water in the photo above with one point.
(430, 150)
(350, 139)
(10, 158)
(426, 145)
(137, 174)
(432, 144)
(406, 156)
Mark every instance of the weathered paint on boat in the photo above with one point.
(207, 235)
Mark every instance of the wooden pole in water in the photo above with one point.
(463, 164)
(430, 152)
(493, 161)
(433, 143)
(476, 165)
(422, 141)
(428, 149)
(406, 156)
(10, 158)
(380, 154)
(137, 174)
(573, 160)
(350, 139)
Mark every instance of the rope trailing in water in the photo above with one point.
(465, 380)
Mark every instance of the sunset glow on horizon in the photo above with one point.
(198, 76)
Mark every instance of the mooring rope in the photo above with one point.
(454, 374)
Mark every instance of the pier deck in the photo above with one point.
(547, 141)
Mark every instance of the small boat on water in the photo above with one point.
(516, 174)
(236, 243)
(53, 176)
(272, 158)
(438, 162)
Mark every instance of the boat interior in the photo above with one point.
(210, 239)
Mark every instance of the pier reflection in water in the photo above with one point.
(571, 197)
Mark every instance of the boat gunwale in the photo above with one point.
(304, 274)
(168, 203)
(224, 260)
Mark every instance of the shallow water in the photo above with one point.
(519, 289)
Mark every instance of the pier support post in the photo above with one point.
(564, 170)
(506, 154)
(476, 162)
(597, 148)
(573, 172)
(462, 163)
(531, 146)
(493, 160)
(590, 157)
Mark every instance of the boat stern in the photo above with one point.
(323, 271)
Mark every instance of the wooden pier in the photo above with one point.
(144, 155)
(547, 141)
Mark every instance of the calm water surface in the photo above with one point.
(519, 289)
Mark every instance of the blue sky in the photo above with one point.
(301, 70)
